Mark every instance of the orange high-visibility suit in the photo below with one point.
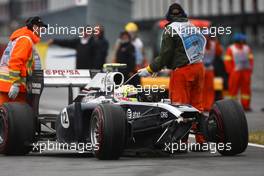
(18, 61)
(239, 63)
(186, 85)
(213, 49)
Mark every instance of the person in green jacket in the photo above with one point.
(182, 51)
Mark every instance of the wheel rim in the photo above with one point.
(212, 128)
(2, 127)
(95, 131)
(216, 125)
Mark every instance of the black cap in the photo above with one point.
(35, 21)
(175, 10)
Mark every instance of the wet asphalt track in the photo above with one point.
(193, 164)
(250, 162)
(66, 163)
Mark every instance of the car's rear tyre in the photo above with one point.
(17, 128)
(108, 131)
(230, 127)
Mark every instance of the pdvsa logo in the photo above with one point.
(62, 72)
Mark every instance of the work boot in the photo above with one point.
(201, 144)
(248, 110)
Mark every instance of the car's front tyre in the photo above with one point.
(108, 131)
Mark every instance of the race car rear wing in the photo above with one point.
(65, 78)
(58, 78)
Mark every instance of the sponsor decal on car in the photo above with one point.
(62, 72)
(132, 115)
(164, 114)
(34, 88)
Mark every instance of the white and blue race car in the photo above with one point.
(113, 117)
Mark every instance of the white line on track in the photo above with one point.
(256, 145)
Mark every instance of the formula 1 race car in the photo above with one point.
(113, 117)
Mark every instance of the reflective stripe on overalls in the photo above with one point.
(241, 58)
(13, 76)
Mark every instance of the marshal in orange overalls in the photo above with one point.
(239, 63)
(213, 49)
(18, 60)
